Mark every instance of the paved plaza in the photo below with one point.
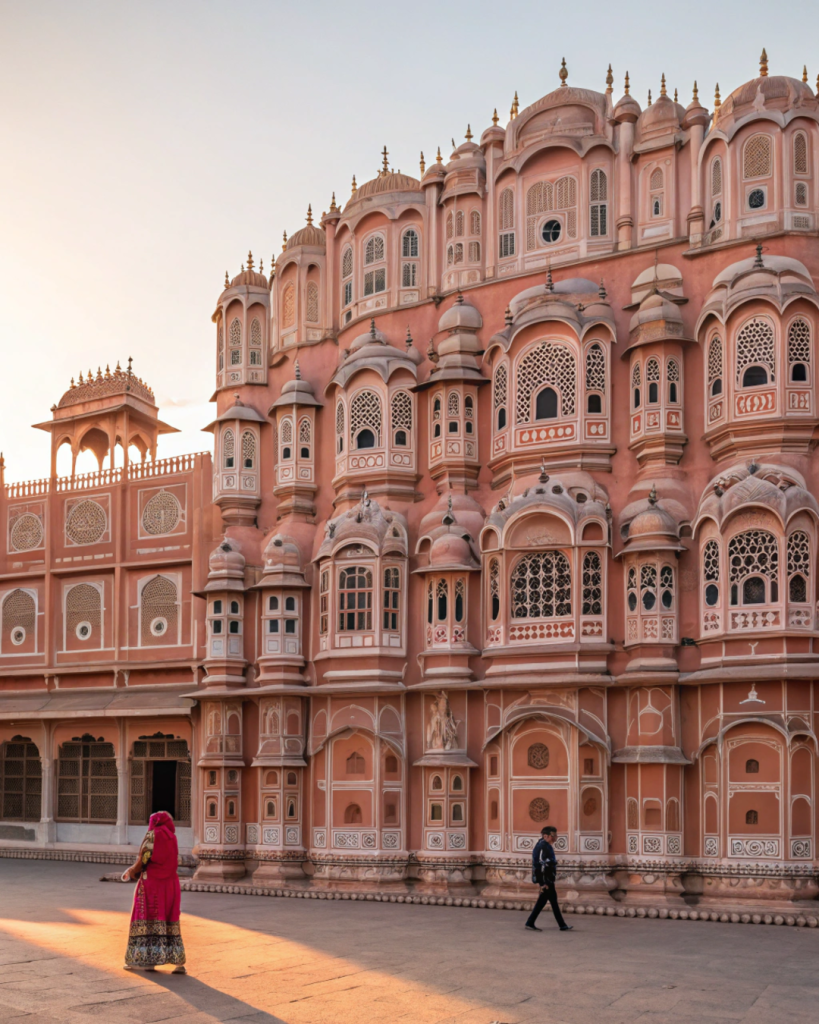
(265, 961)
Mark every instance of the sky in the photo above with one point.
(146, 147)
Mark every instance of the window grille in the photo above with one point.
(648, 587)
(158, 600)
(755, 347)
(347, 262)
(715, 366)
(459, 223)
(542, 586)
(656, 181)
(653, 380)
(506, 245)
(756, 161)
(365, 411)
(798, 553)
(392, 584)
(474, 252)
(289, 306)
(83, 603)
(87, 782)
(799, 342)
(255, 333)
(673, 371)
(235, 333)
(340, 428)
(228, 450)
(801, 194)
(348, 295)
(86, 523)
(459, 252)
(235, 357)
(800, 153)
(304, 431)
(355, 600)
(146, 751)
(507, 210)
(474, 223)
(752, 555)
(287, 431)
(442, 600)
(716, 178)
(547, 363)
(21, 780)
(220, 345)
(374, 250)
(710, 561)
(667, 587)
(592, 584)
(500, 385)
(248, 450)
(494, 588)
(409, 275)
(453, 405)
(255, 357)
(598, 210)
(409, 244)
(312, 307)
(324, 602)
(375, 281)
(26, 532)
(401, 411)
(161, 514)
(635, 376)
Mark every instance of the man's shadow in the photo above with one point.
(209, 1000)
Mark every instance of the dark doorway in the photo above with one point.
(163, 790)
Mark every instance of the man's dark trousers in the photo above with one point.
(548, 894)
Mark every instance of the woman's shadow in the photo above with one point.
(209, 1000)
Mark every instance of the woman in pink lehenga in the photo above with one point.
(154, 937)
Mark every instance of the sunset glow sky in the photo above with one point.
(146, 147)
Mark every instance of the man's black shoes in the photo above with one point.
(567, 927)
(533, 928)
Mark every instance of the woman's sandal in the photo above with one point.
(180, 969)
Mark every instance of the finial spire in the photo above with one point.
(627, 85)
(372, 327)
(662, 85)
(423, 163)
(438, 158)
(695, 96)
(676, 97)
(297, 370)
(249, 260)
(563, 74)
(717, 101)
(763, 64)
(309, 213)
(333, 206)
(385, 166)
(513, 113)
(495, 117)
(227, 280)
(609, 80)
(284, 239)
(408, 339)
(468, 135)
(805, 73)
(354, 186)
(507, 316)
(758, 261)
(603, 294)
(544, 476)
(261, 266)
(649, 98)
(652, 495)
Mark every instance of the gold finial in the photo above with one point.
(676, 97)
(333, 206)
(249, 260)
(609, 80)
(309, 213)
(627, 85)
(495, 117)
(386, 166)
(81, 378)
(73, 385)
(662, 86)
(354, 186)
(513, 113)
(763, 64)
(107, 370)
(227, 280)
(649, 98)
(284, 240)
(563, 74)
(468, 135)
(696, 94)
(423, 163)
(805, 73)
(261, 267)
(717, 101)
(439, 159)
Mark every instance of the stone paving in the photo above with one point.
(266, 961)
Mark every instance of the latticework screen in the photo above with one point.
(20, 780)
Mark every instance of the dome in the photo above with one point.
(462, 315)
(664, 115)
(776, 92)
(226, 559)
(450, 549)
(308, 235)
(120, 382)
(627, 109)
(281, 550)
(695, 113)
(250, 278)
(387, 181)
(295, 392)
(654, 529)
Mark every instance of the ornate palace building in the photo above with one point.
(511, 518)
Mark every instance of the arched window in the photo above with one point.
(159, 612)
(228, 450)
(474, 252)
(459, 223)
(598, 204)
(459, 252)
(392, 592)
(401, 415)
(752, 766)
(715, 366)
(595, 377)
(798, 567)
(288, 306)
(352, 814)
(546, 404)
(365, 420)
(753, 560)
(287, 438)
(636, 379)
(542, 586)
(494, 589)
(305, 437)
(21, 780)
(756, 157)
(547, 363)
(592, 584)
(655, 186)
(499, 395)
(83, 612)
(248, 450)
(506, 220)
(450, 225)
(340, 428)
(710, 573)
(799, 351)
(800, 153)
(409, 244)
(235, 339)
(752, 817)
(355, 764)
(346, 276)
(474, 223)
(716, 192)
(220, 345)
(755, 354)
(672, 369)
(374, 252)
(566, 199)
(355, 597)
(653, 381)
(311, 311)
(255, 333)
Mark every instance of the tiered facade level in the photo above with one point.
(511, 519)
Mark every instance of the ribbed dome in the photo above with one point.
(250, 277)
(391, 181)
(776, 90)
(461, 315)
(663, 113)
(120, 382)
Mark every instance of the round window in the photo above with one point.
(711, 595)
(717, 212)
(83, 630)
(632, 601)
(550, 232)
(18, 635)
(756, 199)
(159, 626)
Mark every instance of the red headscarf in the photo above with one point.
(165, 856)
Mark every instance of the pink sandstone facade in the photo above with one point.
(511, 519)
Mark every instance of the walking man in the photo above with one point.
(544, 874)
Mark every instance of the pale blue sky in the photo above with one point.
(146, 146)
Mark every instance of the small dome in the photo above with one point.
(450, 549)
(250, 278)
(282, 550)
(226, 560)
(653, 528)
(308, 235)
(462, 315)
(664, 115)
(695, 113)
(627, 109)
(389, 181)
(775, 91)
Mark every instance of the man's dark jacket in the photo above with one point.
(544, 863)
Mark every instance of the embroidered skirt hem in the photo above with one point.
(153, 943)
